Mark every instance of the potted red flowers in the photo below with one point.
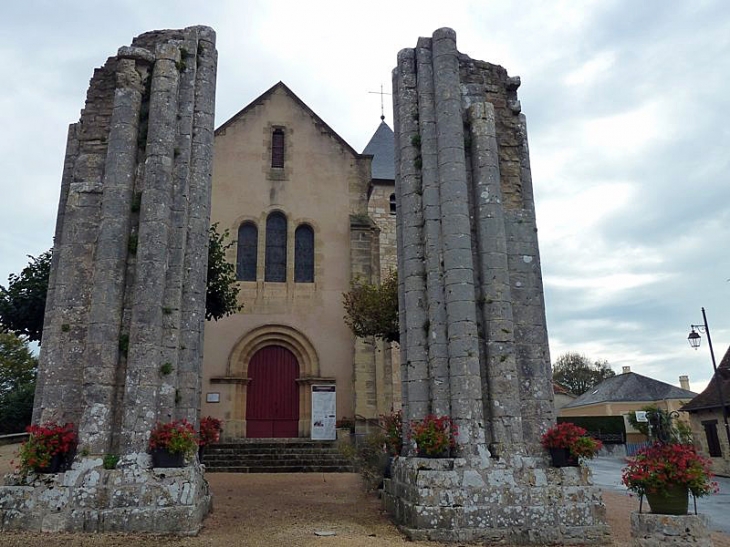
(434, 436)
(393, 426)
(568, 443)
(170, 443)
(48, 449)
(666, 473)
(210, 433)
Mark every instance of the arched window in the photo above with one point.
(277, 148)
(275, 248)
(392, 204)
(304, 254)
(246, 252)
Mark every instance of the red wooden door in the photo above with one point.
(272, 401)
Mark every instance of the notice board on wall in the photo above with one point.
(324, 413)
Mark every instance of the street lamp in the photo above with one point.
(694, 339)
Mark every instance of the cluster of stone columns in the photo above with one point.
(473, 329)
(472, 316)
(122, 340)
(123, 332)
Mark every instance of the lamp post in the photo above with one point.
(694, 339)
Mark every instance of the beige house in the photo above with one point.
(309, 214)
(708, 422)
(621, 394)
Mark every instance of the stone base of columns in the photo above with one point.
(519, 500)
(133, 498)
(650, 530)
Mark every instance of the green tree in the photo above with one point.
(23, 302)
(372, 310)
(221, 297)
(578, 374)
(661, 425)
(17, 383)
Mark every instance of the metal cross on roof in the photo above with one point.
(382, 107)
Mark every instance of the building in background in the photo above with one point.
(309, 215)
(627, 392)
(707, 421)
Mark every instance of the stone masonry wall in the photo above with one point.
(128, 281)
(474, 332)
(472, 316)
(123, 332)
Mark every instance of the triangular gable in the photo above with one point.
(265, 96)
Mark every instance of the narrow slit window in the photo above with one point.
(304, 254)
(275, 248)
(246, 252)
(277, 148)
(392, 204)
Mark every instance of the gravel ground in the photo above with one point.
(287, 510)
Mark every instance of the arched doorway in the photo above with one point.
(272, 399)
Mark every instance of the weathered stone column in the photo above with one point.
(196, 267)
(473, 334)
(410, 257)
(122, 345)
(438, 351)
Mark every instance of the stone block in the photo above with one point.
(650, 530)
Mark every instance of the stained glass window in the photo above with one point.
(304, 254)
(275, 248)
(246, 252)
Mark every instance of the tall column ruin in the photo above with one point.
(123, 333)
(472, 314)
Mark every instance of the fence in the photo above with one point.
(633, 448)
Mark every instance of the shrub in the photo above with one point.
(660, 465)
(175, 437)
(210, 430)
(45, 441)
(574, 438)
(110, 461)
(393, 426)
(434, 435)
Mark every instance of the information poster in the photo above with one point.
(324, 414)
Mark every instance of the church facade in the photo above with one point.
(309, 215)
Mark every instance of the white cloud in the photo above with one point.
(625, 105)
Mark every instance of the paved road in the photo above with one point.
(607, 475)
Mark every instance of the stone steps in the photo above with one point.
(276, 456)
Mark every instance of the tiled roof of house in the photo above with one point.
(710, 398)
(630, 387)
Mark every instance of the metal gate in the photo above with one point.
(272, 402)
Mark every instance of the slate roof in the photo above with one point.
(709, 398)
(630, 387)
(382, 147)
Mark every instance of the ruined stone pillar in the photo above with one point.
(122, 346)
(473, 332)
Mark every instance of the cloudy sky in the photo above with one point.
(627, 106)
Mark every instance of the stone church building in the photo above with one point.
(309, 215)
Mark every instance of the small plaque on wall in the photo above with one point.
(214, 397)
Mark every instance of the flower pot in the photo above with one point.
(164, 458)
(442, 454)
(675, 502)
(56, 465)
(562, 457)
